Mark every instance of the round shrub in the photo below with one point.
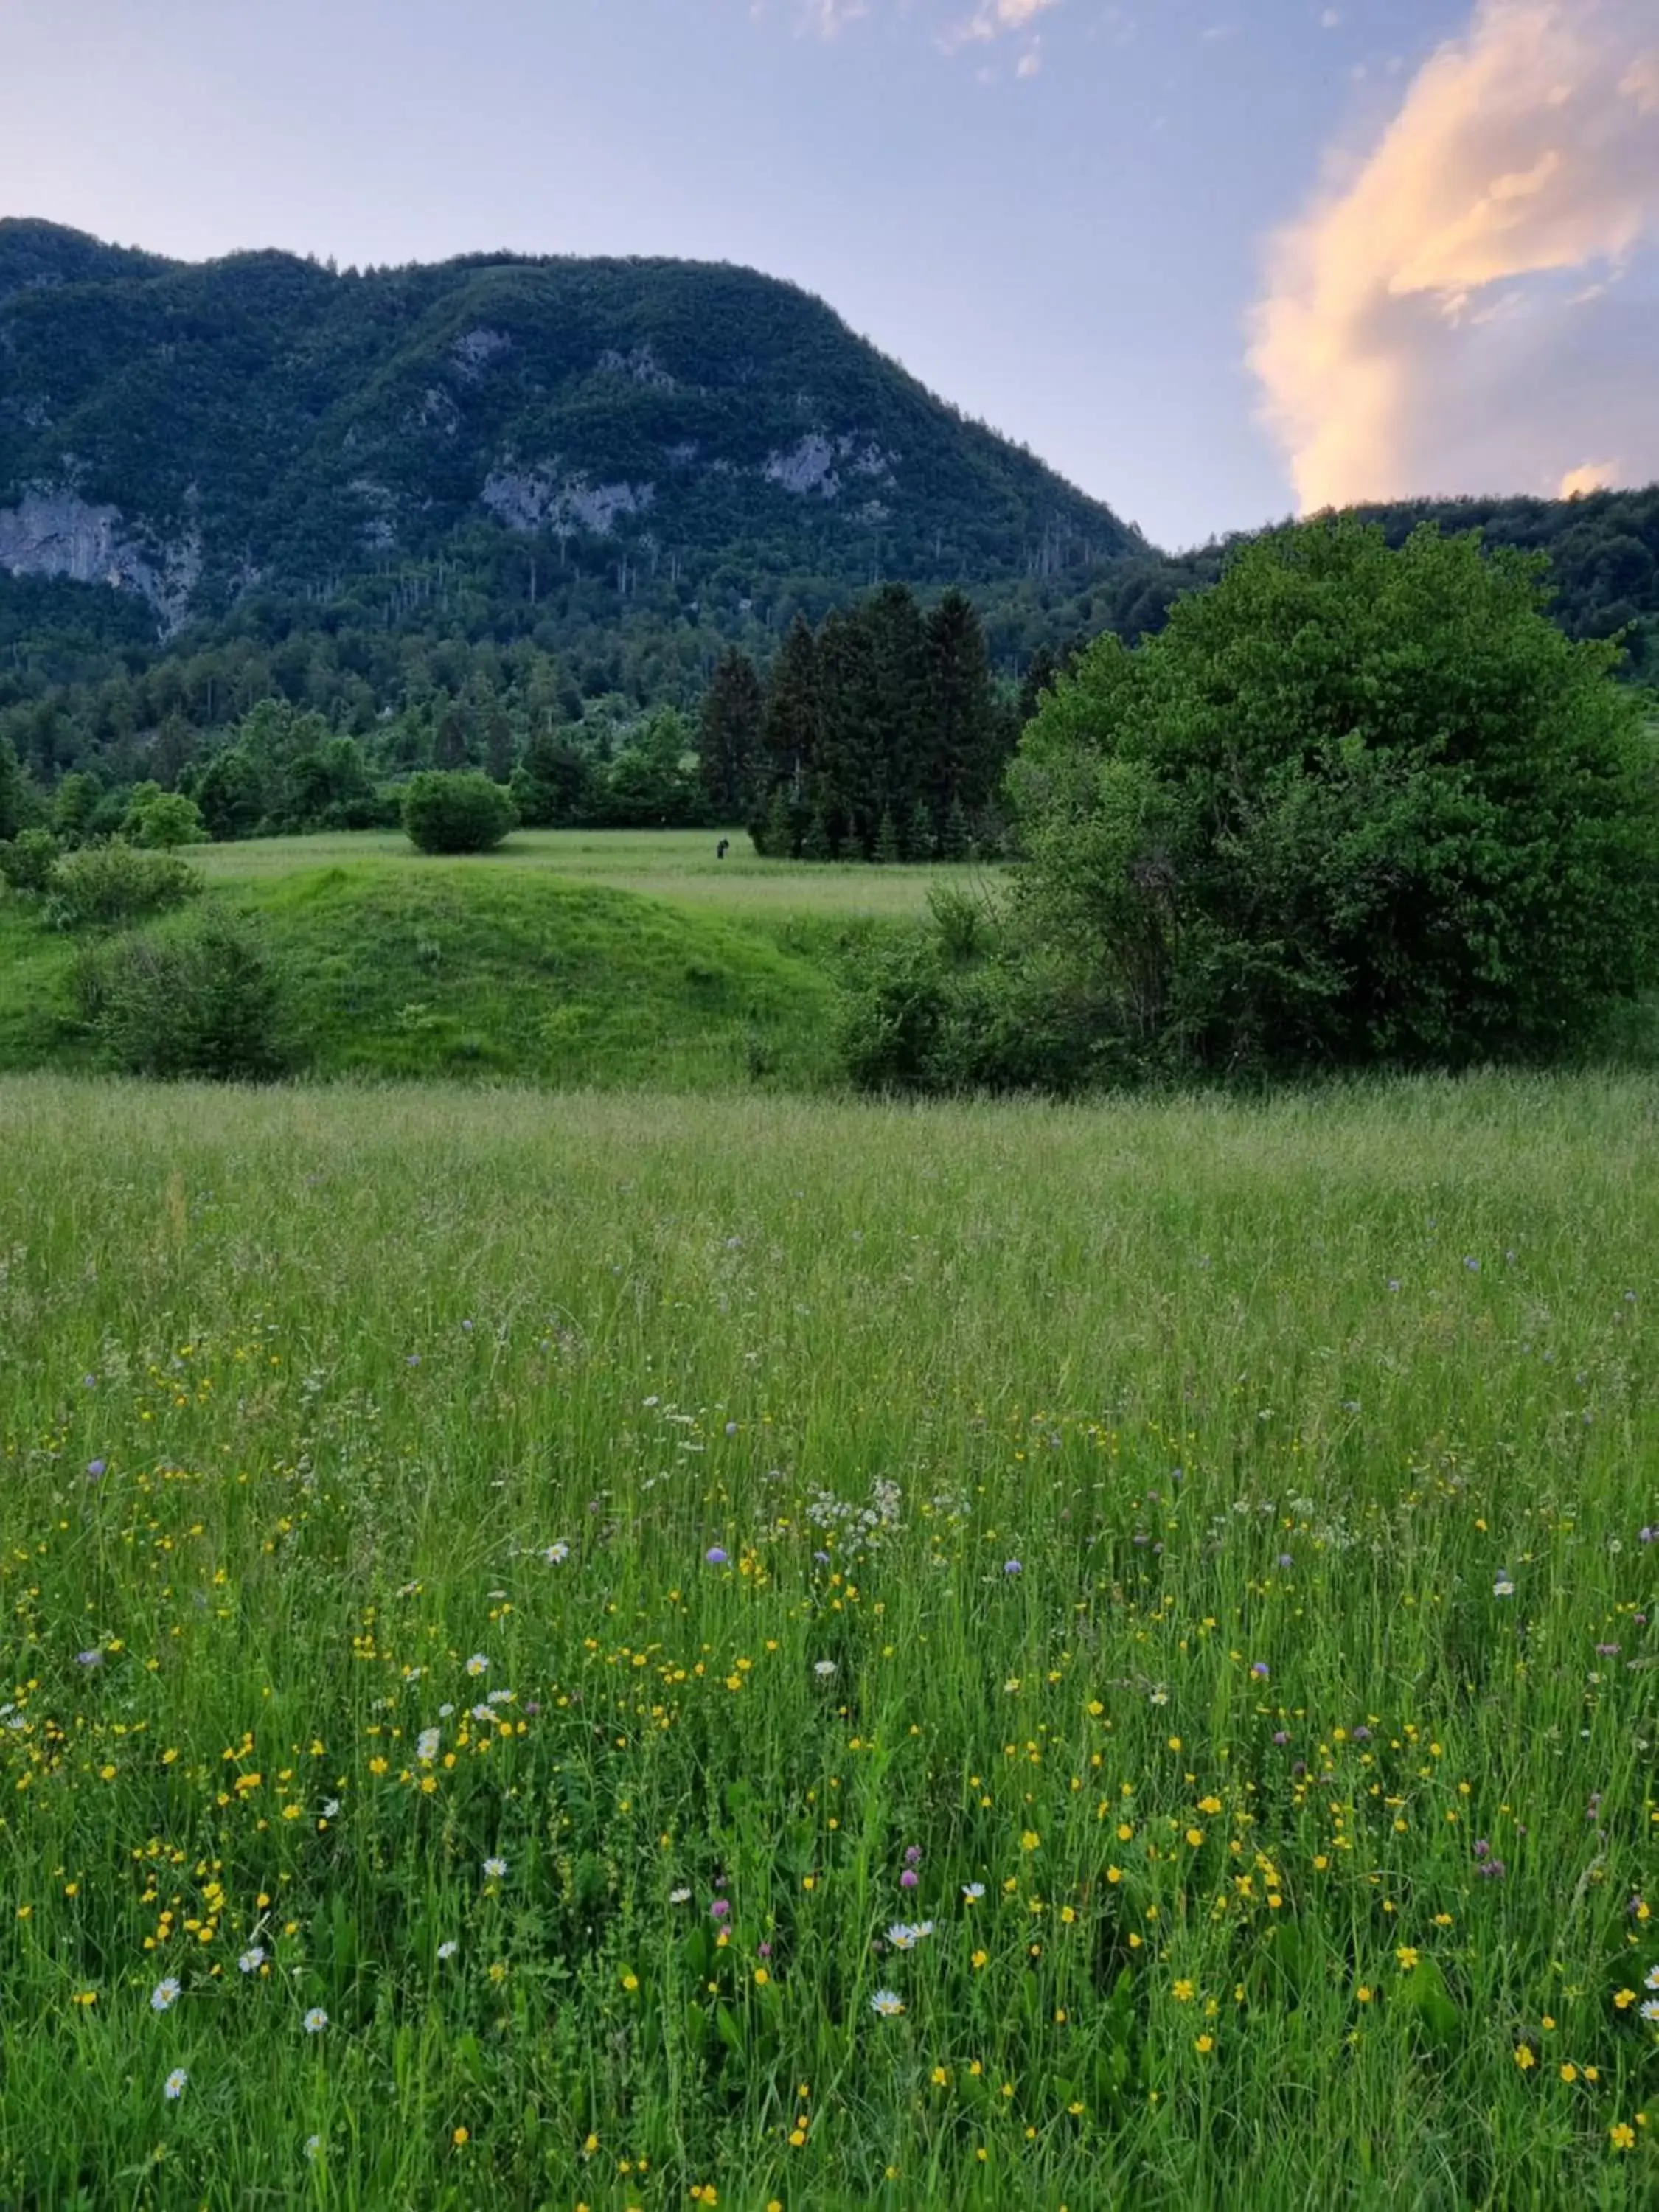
(457, 813)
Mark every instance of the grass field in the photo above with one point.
(672, 864)
(569, 958)
(619, 1651)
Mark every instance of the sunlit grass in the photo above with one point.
(1219, 1532)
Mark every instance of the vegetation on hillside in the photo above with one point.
(413, 969)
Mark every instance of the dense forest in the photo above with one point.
(435, 517)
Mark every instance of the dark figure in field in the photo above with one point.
(722, 849)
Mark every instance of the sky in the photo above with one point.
(1215, 260)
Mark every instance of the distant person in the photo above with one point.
(722, 849)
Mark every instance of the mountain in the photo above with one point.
(265, 427)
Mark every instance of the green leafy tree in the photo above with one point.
(652, 784)
(550, 782)
(74, 804)
(162, 820)
(230, 794)
(1357, 804)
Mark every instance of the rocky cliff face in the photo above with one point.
(58, 533)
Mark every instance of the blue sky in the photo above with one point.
(1209, 257)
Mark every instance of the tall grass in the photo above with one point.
(1193, 1560)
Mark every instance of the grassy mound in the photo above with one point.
(436, 971)
(454, 969)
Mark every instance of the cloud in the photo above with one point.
(1476, 306)
(1595, 476)
(984, 19)
(827, 17)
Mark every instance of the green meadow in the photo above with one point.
(566, 959)
(631, 1648)
(681, 864)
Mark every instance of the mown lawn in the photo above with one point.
(627, 1650)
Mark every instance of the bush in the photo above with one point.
(205, 999)
(1354, 806)
(109, 885)
(29, 862)
(458, 813)
(916, 1017)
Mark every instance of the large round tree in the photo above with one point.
(1353, 805)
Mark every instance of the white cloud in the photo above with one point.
(984, 19)
(827, 17)
(1467, 308)
(1330, 19)
(1592, 475)
(991, 18)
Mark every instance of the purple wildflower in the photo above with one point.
(95, 1468)
(1013, 1567)
(715, 1556)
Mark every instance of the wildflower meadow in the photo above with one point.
(637, 1652)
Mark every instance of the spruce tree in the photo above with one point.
(790, 728)
(964, 762)
(887, 843)
(12, 794)
(921, 839)
(775, 836)
(730, 737)
(816, 844)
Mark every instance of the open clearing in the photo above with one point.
(672, 864)
(597, 1650)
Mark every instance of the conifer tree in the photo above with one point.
(963, 765)
(887, 844)
(793, 709)
(730, 736)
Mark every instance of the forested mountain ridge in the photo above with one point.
(264, 427)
